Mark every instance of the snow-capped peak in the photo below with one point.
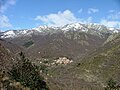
(40, 28)
(114, 29)
(15, 33)
(95, 26)
(44, 28)
(8, 34)
(74, 26)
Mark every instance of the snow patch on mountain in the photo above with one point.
(8, 34)
(114, 30)
(75, 26)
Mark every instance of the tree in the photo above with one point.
(28, 74)
(112, 85)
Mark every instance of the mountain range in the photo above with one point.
(94, 29)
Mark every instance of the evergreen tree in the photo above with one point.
(27, 74)
(112, 85)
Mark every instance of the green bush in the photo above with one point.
(27, 74)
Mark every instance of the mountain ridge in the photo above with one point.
(87, 28)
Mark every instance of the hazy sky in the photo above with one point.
(23, 14)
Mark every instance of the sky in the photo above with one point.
(26, 14)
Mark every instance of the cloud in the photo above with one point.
(58, 19)
(111, 20)
(110, 23)
(67, 17)
(80, 11)
(4, 4)
(89, 20)
(92, 10)
(111, 11)
(4, 21)
(114, 16)
(86, 21)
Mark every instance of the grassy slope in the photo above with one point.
(103, 64)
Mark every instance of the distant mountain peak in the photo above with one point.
(74, 26)
(87, 28)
